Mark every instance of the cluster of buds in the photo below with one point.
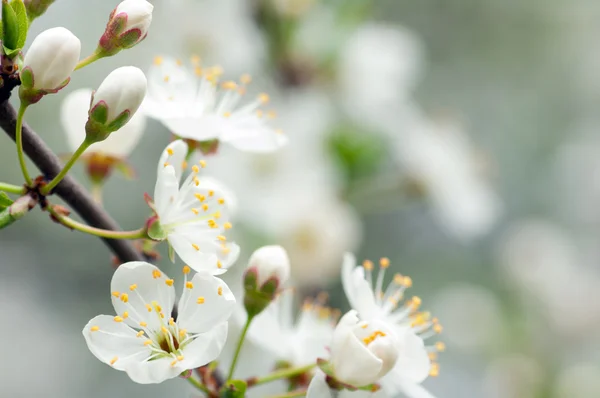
(127, 26)
(268, 269)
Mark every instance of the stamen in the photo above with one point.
(205, 207)
(189, 285)
(264, 98)
(200, 300)
(118, 319)
(115, 359)
(440, 346)
(196, 247)
(202, 164)
(156, 274)
(195, 211)
(140, 333)
(182, 333)
(211, 193)
(148, 307)
(116, 294)
(124, 297)
(95, 328)
(195, 169)
(125, 315)
(227, 225)
(158, 61)
(184, 165)
(222, 238)
(219, 264)
(220, 291)
(186, 269)
(148, 342)
(221, 201)
(170, 151)
(169, 282)
(200, 197)
(133, 287)
(143, 324)
(384, 262)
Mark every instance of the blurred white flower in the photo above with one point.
(440, 159)
(144, 340)
(297, 342)
(376, 303)
(459, 304)
(546, 266)
(379, 66)
(193, 216)
(581, 381)
(514, 376)
(192, 105)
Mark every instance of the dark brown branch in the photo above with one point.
(69, 190)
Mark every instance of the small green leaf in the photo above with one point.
(233, 389)
(5, 201)
(119, 121)
(22, 21)
(10, 36)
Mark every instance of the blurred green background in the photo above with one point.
(519, 302)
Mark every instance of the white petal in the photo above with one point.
(144, 284)
(355, 364)
(114, 340)
(154, 371)
(215, 307)
(252, 136)
(415, 391)
(206, 347)
(122, 90)
(318, 387)
(179, 149)
(197, 128)
(208, 257)
(166, 191)
(74, 115)
(358, 290)
(347, 280)
(413, 362)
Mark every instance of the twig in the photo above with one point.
(69, 190)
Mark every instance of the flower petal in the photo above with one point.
(252, 135)
(412, 390)
(197, 128)
(114, 342)
(144, 286)
(74, 116)
(154, 371)
(166, 191)
(204, 255)
(318, 387)
(413, 362)
(207, 301)
(206, 347)
(174, 154)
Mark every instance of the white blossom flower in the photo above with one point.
(48, 63)
(144, 340)
(193, 215)
(192, 104)
(297, 342)
(373, 302)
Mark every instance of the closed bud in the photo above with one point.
(115, 102)
(268, 269)
(128, 25)
(36, 8)
(48, 64)
(362, 352)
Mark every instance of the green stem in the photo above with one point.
(10, 188)
(239, 346)
(19, 139)
(199, 386)
(56, 180)
(291, 394)
(283, 374)
(95, 56)
(102, 233)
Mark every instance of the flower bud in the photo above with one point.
(115, 102)
(268, 269)
(48, 63)
(35, 8)
(362, 352)
(127, 26)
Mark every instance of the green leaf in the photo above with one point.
(5, 201)
(22, 21)
(10, 36)
(233, 389)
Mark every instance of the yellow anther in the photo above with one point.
(432, 356)
(199, 196)
(171, 321)
(264, 98)
(115, 359)
(167, 78)
(196, 181)
(200, 300)
(407, 282)
(118, 319)
(205, 207)
(368, 265)
(165, 164)
(440, 346)
(164, 330)
(229, 85)
(170, 151)
(156, 274)
(189, 285)
(415, 302)
(227, 114)
(169, 282)
(196, 247)
(195, 60)
(178, 62)
(158, 61)
(174, 363)
(184, 165)
(182, 333)
(384, 262)
(225, 249)
(148, 342)
(227, 225)
(140, 333)
(222, 238)
(143, 324)
(116, 294)
(271, 114)
(365, 325)
(435, 370)
(211, 193)
(133, 287)
(221, 201)
(124, 297)
(202, 163)
(186, 269)
(198, 71)
(195, 211)
(245, 78)
(95, 328)
(180, 358)
(213, 224)
(398, 279)
(125, 315)
(220, 290)
(195, 169)
(157, 307)
(219, 264)
(148, 307)
(161, 315)
(437, 328)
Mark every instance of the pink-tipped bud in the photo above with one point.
(128, 25)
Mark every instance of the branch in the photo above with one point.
(69, 190)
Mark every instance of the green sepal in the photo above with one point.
(26, 78)
(171, 253)
(5, 201)
(119, 121)
(23, 22)
(99, 113)
(325, 366)
(156, 232)
(130, 39)
(233, 389)
(10, 34)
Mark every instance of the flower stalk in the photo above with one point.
(56, 180)
(19, 140)
(95, 56)
(199, 386)
(238, 349)
(10, 188)
(282, 374)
